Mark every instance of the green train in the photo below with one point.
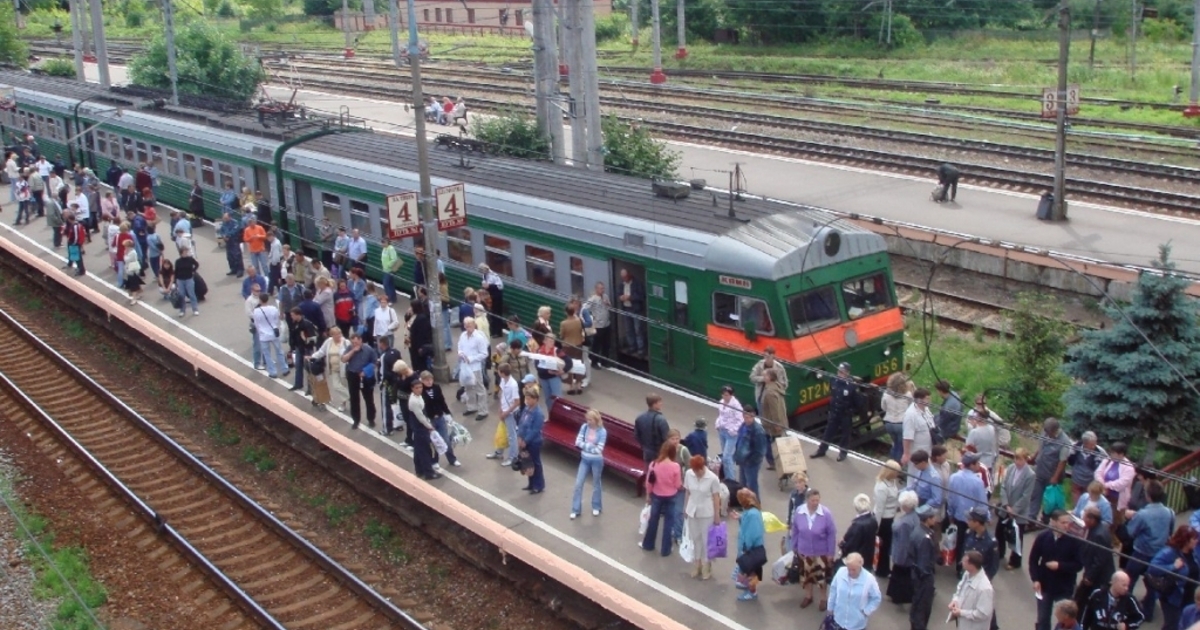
(722, 280)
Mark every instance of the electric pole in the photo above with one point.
(1133, 34)
(574, 61)
(77, 40)
(656, 77)
(101, 44)
(82, 6)
(429, 224)
(1193, 109)
(368, 14)
(591, 86)
(349, 50)
(546, 70)
(634, 5)
(168, 10)
(1095, 33)
(1059, 211)
(681, 35)
(394, 27)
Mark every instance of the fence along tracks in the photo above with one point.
(271, 576)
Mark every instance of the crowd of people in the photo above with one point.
(923, 511)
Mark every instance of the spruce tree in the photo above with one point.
(1123, 387)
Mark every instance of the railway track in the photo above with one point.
(1009, 179)
(270, 575)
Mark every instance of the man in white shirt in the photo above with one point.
(44, 168)
(84, 213)
(252, 302)
(918, 430)
(181, 222)
(510, 401)
(386, 321)
(472, 352)
(357, 250)
(265, 318)
(125, 181)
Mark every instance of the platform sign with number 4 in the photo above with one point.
(451, 206)
(403, 218)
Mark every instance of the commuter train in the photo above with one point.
(720, 286)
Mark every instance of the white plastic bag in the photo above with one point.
(459, 434)
(466, 376)
(644, 520)
(438, 442)
(687, 549)
(779, 570)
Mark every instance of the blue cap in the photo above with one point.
(529, 378)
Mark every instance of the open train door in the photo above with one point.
(629, 296)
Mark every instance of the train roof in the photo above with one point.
(768, 239)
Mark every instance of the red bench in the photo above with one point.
(622, 453)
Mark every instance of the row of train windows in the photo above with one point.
(438, 13)
(172, 162)
(37, 124)
(540, 263)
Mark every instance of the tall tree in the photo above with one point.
(12, 47)
(1123, 387)
(1032, 359)
(207, 62)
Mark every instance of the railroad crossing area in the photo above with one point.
(604, 546)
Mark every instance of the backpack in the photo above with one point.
(586, 316)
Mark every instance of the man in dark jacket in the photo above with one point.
(438, 412)
(1112, 608)
(1053, 563)
(976, 537)
(860, 535)
(697, 441)
(749, 450)
(302, 339)
(924, 555)
(651, 428)
(1096, 556)
(113, 176)
(843, 396)
(312, 312)
(948, 177)
(388, 356)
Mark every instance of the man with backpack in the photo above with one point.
(651, 428)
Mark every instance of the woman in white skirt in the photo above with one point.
(331, 351)
(702, 507)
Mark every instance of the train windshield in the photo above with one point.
(814, 310)
(866, 295)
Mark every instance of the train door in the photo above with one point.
(672, 333)
(262, 183)
(630, 296)
(306, 224)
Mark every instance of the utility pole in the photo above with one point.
(1095, 33)
(77, 40)
(1133, 34)
(591, 86)
(889, 20)
(571, 36)
(82, 7)
(369, 14)
(656, 77)
(634, 5)
(546, 70)
(429, 225)
(21, 19)
(168, 10)
(101, 44)
(349, 50)
(394, 26)
(1059, 211)
(681, 36)
(1193, 109)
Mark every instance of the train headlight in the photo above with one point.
(851, 337)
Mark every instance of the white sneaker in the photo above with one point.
(194, 313)
(595, 512)
(506, 463)
(574, 515)
(437, 468)
(407, 449)
(458, 464)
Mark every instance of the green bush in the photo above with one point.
(319, 7)
(59, 67)
(135, 13)
(12, 47)
(1162, 31)
(612, 27)
(514, 133)
(226, 10)
(630, 150)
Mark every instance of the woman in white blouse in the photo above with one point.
(887, 504)
(331, 352)
(702, 506)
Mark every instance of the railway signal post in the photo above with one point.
(657, 77)
(1059, 209)
(1193, 109)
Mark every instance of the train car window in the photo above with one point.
(497, 253)
(331, 206)
(173, 162)
(426, 12)
(866, 295)
(813, 310)
(114, 146)
(208, 173)
(470, 16)
(680, 306)
(226, 173)
(360, 218)
(735, 311)
(577, 282)
(244, 178)
(458, 242)
(437, 12)
(449, 16)
(520, 17)
(156, 156)
(539, 267)
(189, 167)
(127, 145)
(143, 153)
(101, 142)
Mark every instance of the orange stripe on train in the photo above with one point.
(827, 341)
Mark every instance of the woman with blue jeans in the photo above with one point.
(550, 371)
(590, 442)
(664, 481)
(529, 439)
(895, 402)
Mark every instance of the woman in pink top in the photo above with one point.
(1117, 475)
(664, 480)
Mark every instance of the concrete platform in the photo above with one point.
(603, 546)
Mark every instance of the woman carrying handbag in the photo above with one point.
(752, 552)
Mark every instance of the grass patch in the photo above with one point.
(222, 434)
(971, 362)
(339, 514)
(179, 406)
(259, 457)
(63, 573)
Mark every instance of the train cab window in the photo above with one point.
(208, 173)
(226, 172)
(813, 310)
(866, 295)
(577, 281)
(127, 144)
(143, 153)
(497, 253)
(360, 218)
(173, 162)
(101, 142)
(736, 311)
(458, 242)
(189, 167)
(539, 267)
(331, 206)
